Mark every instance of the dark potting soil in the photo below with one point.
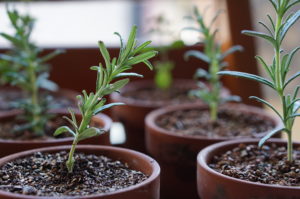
(8, 130)
(7, 97)
(230, 123)
(153, 96)
(45, 174)
(267, 165)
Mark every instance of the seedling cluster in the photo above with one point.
(278, 69)
(24, 67)
(210, 93)
(110, 79)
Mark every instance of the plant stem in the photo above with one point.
(290, 147)
(86, 119)
(214, 82)
(34, 100)
(70, 161)
(279, 86)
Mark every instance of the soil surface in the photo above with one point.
(45, 174)
(155, 96)
(230, 123)
(268, 165)
(7, 97)
(8, 130)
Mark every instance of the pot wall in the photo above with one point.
(213, 185)
(8, 147)
(148, 189)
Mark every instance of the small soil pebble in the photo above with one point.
(230, 123)
(45, 174)
(267, 165)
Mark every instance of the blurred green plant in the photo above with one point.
(110, 78)
(163, 77)
(24, 67)
(278, 69)
(210, 93)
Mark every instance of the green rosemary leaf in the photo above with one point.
(51, 55)
(265, 66)
(90, 132)
(269, 135)
(267, 104)
(294, 76)
(231, 50)
(288, 25)
(248, 76)
(128, 75)
(107, 106)
(197, 54)
(148, 64)
(105, 54)
(141, 58)
(260, 35)
(63, 129)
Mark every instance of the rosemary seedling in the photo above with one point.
(109, 79)
(278, 69)
(24, 67)
(164, 65)
(210, 93)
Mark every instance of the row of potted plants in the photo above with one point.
(35, 122)
(173, 135)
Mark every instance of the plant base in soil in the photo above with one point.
(230, 123)
(45, 174)
(267, 165)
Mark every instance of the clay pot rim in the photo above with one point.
(107, 121)
(205, 154)
(117, 97)
(155, 167)
(152, 116)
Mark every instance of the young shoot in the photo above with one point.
(163, 67)
(278, 69)
(210, 93)
(110, 78)
(24, 67)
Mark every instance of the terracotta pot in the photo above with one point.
(138, 109)
(16, 92)
(148, 189)
(212, 184)
(177, 153)
(8, 147)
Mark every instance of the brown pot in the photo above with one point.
(212, 184)
(148, 189)
(8, 147)
(9, 90)
(177, 153)
(137, 109)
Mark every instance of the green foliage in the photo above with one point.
(24, 67)
(163, 76)
(278, 70)
(110, 78)
(213, 55)
(163, 67)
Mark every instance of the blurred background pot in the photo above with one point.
(132, 115)
(176, 153)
